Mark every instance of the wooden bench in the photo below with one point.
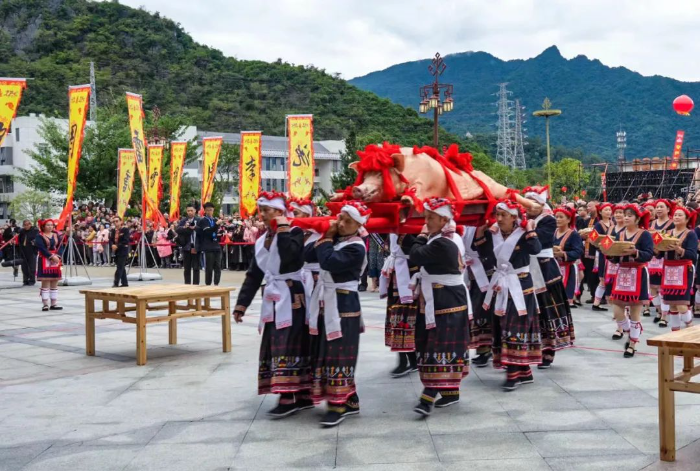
(141, 299)
(685, 343)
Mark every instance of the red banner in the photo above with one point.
(677, 149)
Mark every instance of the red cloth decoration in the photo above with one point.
(378, 159)
(461, 161)
(360, 206)
(512, 204)
(564, 189)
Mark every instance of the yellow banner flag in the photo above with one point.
(178, 152)
(138, 139)
(10, 95)
(155, 170)
(300, 130)
(125, 179)
(212, 148)
(78, 100)
(249, 174)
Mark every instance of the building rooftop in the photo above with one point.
(276, 146)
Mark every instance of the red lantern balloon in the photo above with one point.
(683, 105)
(563, 189)
(583, 192)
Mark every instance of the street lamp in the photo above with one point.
(547, 113)
(430, 95)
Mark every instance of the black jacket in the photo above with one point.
(121, 239)
(27, 238)
(208, 235)
(184, 233)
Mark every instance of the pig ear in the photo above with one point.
(353, 166)
(399, 161)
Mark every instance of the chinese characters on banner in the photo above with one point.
(155, 165)
(677, 149)
(125, 179)
(134, 105)
(212, 148)
(78, 101)
(300, 132)
(249, 172)
(178, 151)
(10, 95)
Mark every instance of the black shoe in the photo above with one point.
(401, 370)
(56, 308)
(333, 417)
(115, 286)
(647, 313)
(573, 306)
(663, 323)
(481, 360)
(303, 404)
(45, 308)
(629, 350)
(423, 409)
(362, 289)
(656, 319)
(125, 286)
(447, 401)
(511, 385)
(617, 335)
(529, 379)
(352, 406)
(598, 308)
(589, 301)
(545, 365)
(283, 410)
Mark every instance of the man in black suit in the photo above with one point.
(187, 238)
(208, 243)
(27, 235)
(119, 239)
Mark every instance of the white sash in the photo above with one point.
(324, 294)
(396, 262)
(277, 299)
(307, 276)
(472, 260)
(504, 281)
(427, 280)
(538, 281)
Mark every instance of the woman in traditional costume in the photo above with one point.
(442, 328)
(610, 266)
(401, 306)
(301, 209)
(663, 209)
(556, 324)
(568, 249)
(604, 228)
(284, 363)
(679, 269)
(335, 312)
(48, 270)
(516, 329)
(631, 286)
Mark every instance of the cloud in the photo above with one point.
(355, 37)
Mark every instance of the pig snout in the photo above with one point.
(358, 193)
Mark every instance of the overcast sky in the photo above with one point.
(355, 37)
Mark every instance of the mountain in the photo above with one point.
(595, 99)
(53, 42)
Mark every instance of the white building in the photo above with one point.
(22, 139)
(274, 164)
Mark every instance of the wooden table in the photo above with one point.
(142, 299)
(685, 343)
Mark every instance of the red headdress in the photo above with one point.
(568, 212)
(650, 203)
(513, 208)
(690, 214)
(619, 207)
(42, 222)
(642, 213)
(602, 206)
(357, 210)
(303, 205)
(441, 206)
(378, 159)
(671, 206)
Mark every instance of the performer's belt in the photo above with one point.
(325, 292)
(277, 300)
(678, 263)
(426, 288)
(505, 282)
(546, 253)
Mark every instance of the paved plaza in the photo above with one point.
(193, 407)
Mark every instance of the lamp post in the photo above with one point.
(547, 113)
(431, 95)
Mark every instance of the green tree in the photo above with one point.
(33, 205)
(567, 173)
